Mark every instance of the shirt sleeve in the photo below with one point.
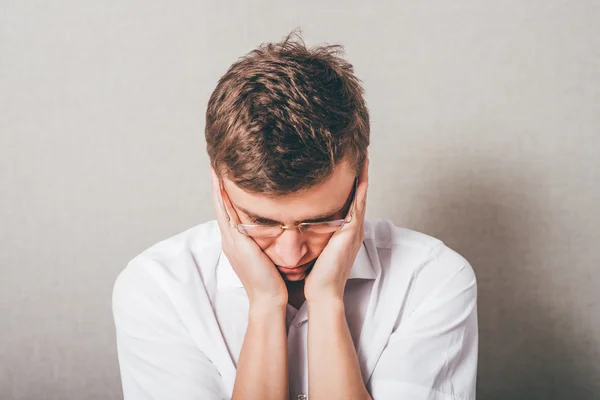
(157, 358)
(432, 354)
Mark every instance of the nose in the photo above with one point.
(290, 248)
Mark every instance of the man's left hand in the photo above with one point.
(328, 277)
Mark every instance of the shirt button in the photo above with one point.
(302, 396)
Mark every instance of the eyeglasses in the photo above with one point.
(311, 228)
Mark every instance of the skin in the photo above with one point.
(294, 253)
(295, 268)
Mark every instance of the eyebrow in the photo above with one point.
(317, 218)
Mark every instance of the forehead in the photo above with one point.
(318, 201)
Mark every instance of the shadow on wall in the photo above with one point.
(494, 218)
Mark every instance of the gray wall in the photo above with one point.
(485, 133)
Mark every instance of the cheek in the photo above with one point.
(316, 244)
(264, 244)
(315, 247)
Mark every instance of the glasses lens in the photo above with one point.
(319, 228)
(260, 231)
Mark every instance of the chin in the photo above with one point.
(294, 278)
(298, 277)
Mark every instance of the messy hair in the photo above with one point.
(283, 116)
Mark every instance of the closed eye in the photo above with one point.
(326, 219)
(256, 219)
(262, 221)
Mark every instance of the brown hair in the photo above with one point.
(283, 116)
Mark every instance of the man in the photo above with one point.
(290, 293)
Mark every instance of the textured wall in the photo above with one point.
(485, 133)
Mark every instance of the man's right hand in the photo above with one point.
(261, 279)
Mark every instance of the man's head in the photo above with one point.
(287, 131)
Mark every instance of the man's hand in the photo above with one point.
(262, 371)
(258, 274)
(330, 272)
(333, 368)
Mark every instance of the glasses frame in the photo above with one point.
(298, 226)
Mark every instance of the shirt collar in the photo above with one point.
(228, 279)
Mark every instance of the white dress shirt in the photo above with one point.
(411, 304)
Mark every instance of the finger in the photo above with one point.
(218, 201)
(357, 206)
(232, 212)
(363, 185)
